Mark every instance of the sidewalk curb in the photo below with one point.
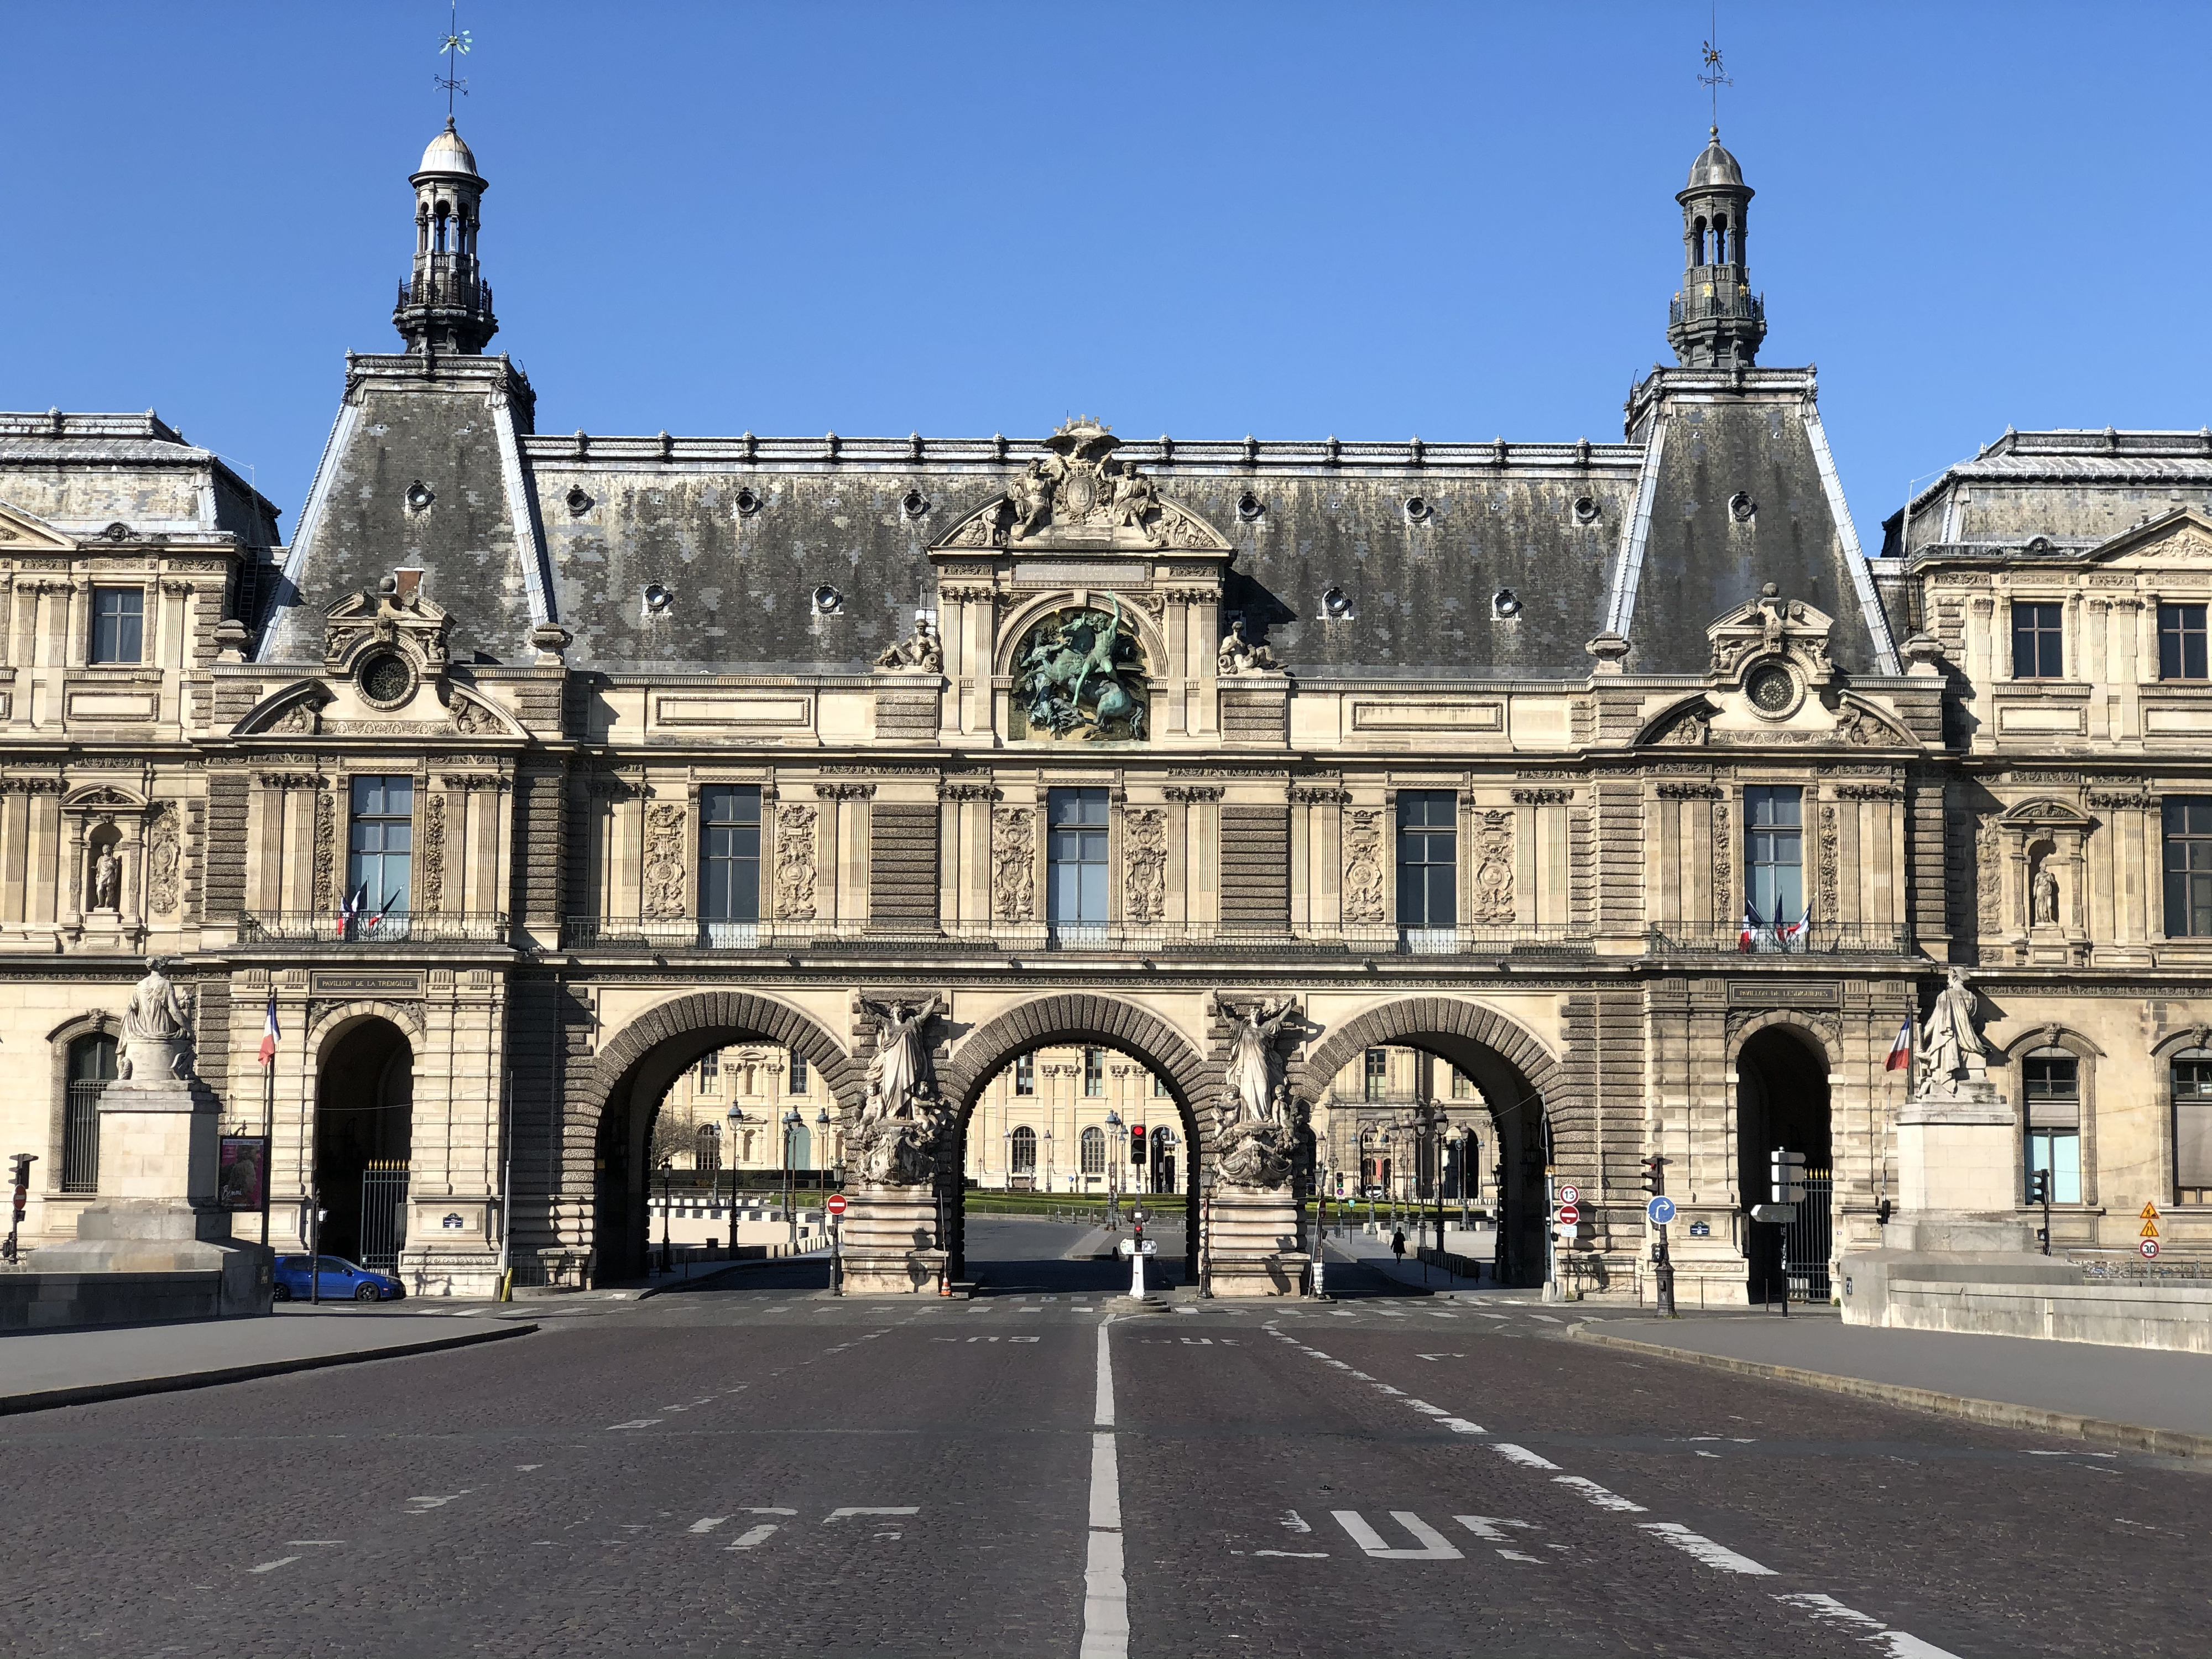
(1994, 1413)
(127, 1388)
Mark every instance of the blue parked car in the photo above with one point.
(342, 1281)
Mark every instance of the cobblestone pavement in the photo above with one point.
(753, 1468)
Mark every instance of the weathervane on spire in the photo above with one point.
(454, 47)
(1713, 77)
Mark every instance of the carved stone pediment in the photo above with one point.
(1770, 628)
(392, 617)
(22, 533)
(295, 711)
(1075, 495)
(1863, 726)
(2183, 535)
(2044, 813)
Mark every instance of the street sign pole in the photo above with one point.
(835, 1205)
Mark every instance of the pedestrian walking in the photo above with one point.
(1398, 1242)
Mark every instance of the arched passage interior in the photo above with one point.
(364, 1140)
(1781, 1101)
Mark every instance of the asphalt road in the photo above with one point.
(752, 1468)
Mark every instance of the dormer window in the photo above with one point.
(119, 624)
(2181, 642)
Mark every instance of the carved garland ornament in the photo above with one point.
(164, 860)
(1013, 878)
(434, 852)
(1144, 855)
(664, 859)
(1493, 868)
(326, 849)
(1363, 867)
(795, 863)
(1989, 854)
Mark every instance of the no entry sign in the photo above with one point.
(1569, 1216)
(837, 1204)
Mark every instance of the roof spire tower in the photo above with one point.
(445, 306)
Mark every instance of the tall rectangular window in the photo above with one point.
(2052, 1083)
(2192, 1129)
(1377, 1076)
(729, 853)
(710, 1071)
(1159, 1087)
(380, 844)
(1428, 859)
(2181, 642)
(1025, 1075)
(2188, 826)
(797, 1081)
(2038, 652)
(1075, 856)
(1774, 851)
(119, 624)
(1094, 1070)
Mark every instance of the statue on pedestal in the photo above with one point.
(1256, 1140)
(895, 1141)
(157, 1031)
(2043, 897)
(1238, 655)
(107, 877)
(1953, 1061)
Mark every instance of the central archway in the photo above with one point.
(613, 1102)
(1517, 1075)
(1075, 1019)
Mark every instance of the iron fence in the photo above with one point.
(1809, 1239)
(326, 927)
(81, 1139)
(1066, 938)
(383, 1214)
(1814, 940)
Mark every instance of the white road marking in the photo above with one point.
(708, 1523)
(526, 1467)
(429, 1503)
(1485, 1526)
(1460, 1425)
(1434, 1357)
(1898, 1643)
(1291, 1555)
(840, 1514)
(1434, 1545)
(638, 1422)
(272, 1566)
(295, 1543)
(1547, 1319)
(1295, 1522)
(1424, 1405)
(753, 1537)
(1598, 1495)
(1105, 1585)
(1521, 1455)
(1712, 1555)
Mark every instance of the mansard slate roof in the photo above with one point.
(2064, 491)
(1420, 538)
(81, 473)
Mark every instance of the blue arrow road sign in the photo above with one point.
(1660, 1210)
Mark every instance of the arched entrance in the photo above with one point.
(1000, 1046)
(364, 1141)
(615, 1101)
(1517, 1077)
(1781, 1101)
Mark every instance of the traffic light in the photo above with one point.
(2039, 1186)
(22, 1180)
(1654, 1175)
(1786, 1170)
(1137, 1145)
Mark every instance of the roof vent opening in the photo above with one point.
(579, 499)
(2039, 544)
(1505, 605)
(914, 504)
(1585, 509)
(419, 495)
(1742, 508)
(1335, 604)
(658, 599)
(827, 601)
(1249, 506)
(749, 501)
(1418, 509)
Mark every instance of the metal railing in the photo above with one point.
(1815, 939)
(439, 288)
(324, 928)
(1061, 938)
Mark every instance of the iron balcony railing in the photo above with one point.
(1818, 938)
(324, 928)
(1043, 938)
(453, 292)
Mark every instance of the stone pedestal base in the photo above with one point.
(891, 1241)
(1957, 1176)
(1253, 1245)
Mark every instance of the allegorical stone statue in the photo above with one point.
(1255, 1144)
(107, 879)
(896, 1140)
(2043, 897)
(1952, 1056)
(920, 649)
(1238, 655)
(157, 1030)
(1254, 1067)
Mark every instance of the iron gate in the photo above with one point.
(383, 1214)
(1807, 1240)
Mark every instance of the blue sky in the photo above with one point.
(1205, 219)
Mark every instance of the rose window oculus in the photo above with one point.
(385, 679)
(1772, 691)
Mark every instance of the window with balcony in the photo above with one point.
(119, 624)
(2037, 652)
(1075, 861)
(1377, 1074)
(729, 863)
(2181, 642)
(1428, 864)
(1094, 1151)
(381, 845)
(1094, 1071)
(2192, 1127)
(2052, 1079)
(1774, 853)
(1025, 1075)
(2188, 836)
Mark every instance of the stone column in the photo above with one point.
(73, 873)
(130, 879)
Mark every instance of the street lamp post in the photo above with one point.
(667, 1248)
(1114, 1154)
(1205, 1231)
(822, 1150)
(791, 1120)
(737, 1121)
(1048, 1164)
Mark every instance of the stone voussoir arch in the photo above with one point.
(591, 1083)
(1407, 1019)
(325, 1021)
(1828, 1041)
(1075, 1017)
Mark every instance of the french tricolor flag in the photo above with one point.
(1751, 924)
(1794, 933)
(269, 1033)
(1900, 1052)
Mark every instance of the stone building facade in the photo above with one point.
(1613, 777)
